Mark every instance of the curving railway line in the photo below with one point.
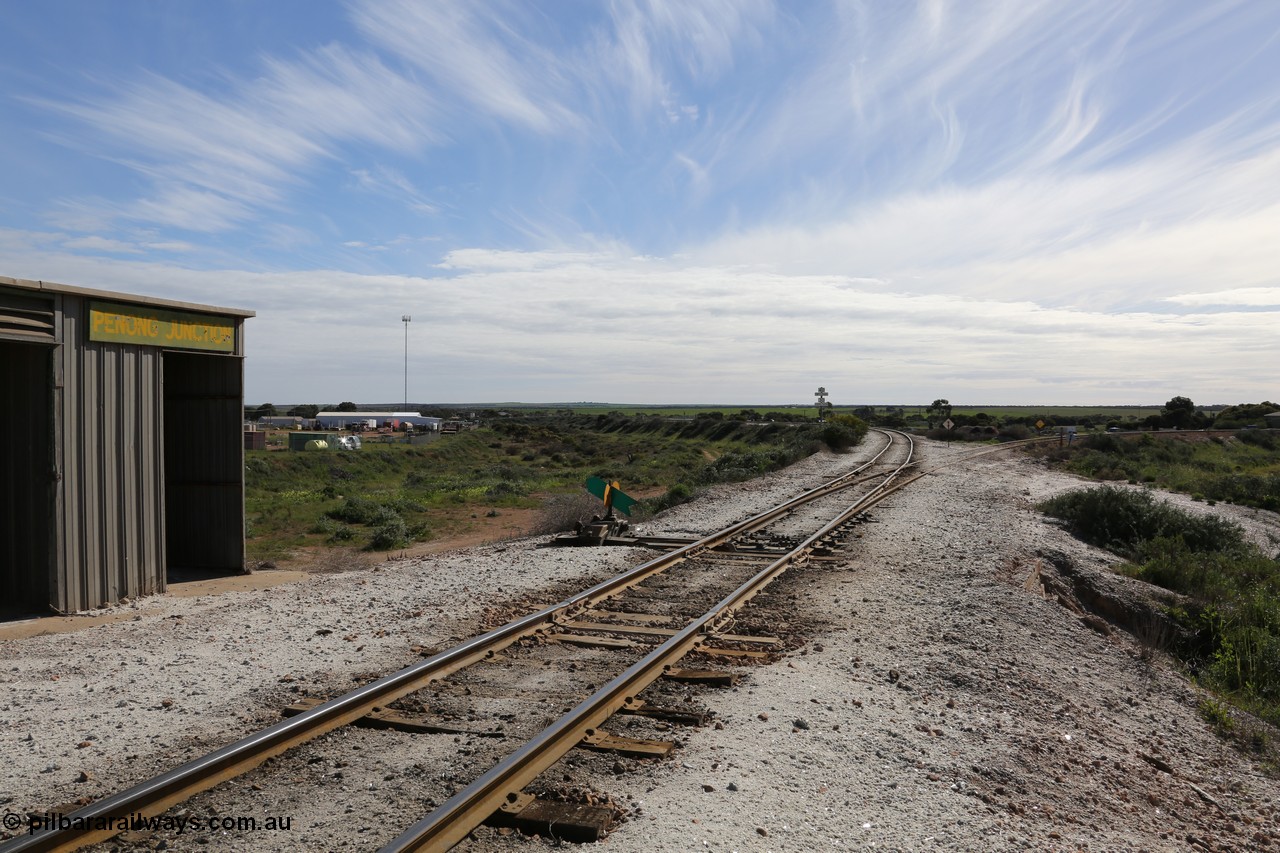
(539, 687)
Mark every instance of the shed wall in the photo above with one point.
(109, 439)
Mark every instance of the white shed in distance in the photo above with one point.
(360, 420)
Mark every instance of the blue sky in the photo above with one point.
(695, 201)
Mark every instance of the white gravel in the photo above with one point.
(945, 706)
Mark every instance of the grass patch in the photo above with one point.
(385, 496)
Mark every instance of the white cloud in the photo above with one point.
(1260, 297)
(994, 202)
(101, 244)
(555, 326)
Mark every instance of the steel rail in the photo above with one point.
(968, 455)
(101, 820)
(455, 819)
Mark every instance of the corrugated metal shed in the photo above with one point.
(139, 463)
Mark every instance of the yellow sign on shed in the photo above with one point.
(157, 327)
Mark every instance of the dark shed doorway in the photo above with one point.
(203, 464)
(26, 478)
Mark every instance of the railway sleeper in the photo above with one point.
(590, 641)
(635, 618)
(684, 716)
(708, 677)
(599, 741)
(575, 822)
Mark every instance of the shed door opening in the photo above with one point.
(26, 478)
(203, 463)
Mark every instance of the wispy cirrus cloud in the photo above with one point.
(489, 260)
(215, 160)
(1187, 215)
(102, 244)
(391, 183)
(650, 52)
(886, 100)
(126, 247)
(480, 53)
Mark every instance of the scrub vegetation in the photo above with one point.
(917, 412)
(1229, 604)
(1242, 468)
(1230, 616)
(385, 496)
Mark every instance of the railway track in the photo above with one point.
(552, 679)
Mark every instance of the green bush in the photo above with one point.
(843, 431)
(1103, 443)
(503, 489)
(1015, 432)
(1257, 490)
(738, 465)
(324, 525)
(358, 510)
(1266, 439)
(674, 496)
(1217, 714)
(392, 533)
(417, 480)
(1123, 519)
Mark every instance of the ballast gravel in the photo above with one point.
(943, 701)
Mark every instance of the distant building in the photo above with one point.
(287, 422)
(362, 420)
(1273, 420)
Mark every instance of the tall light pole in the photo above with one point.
(405, 319)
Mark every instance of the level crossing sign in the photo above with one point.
(611, 494)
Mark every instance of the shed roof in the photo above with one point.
(115, 296)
